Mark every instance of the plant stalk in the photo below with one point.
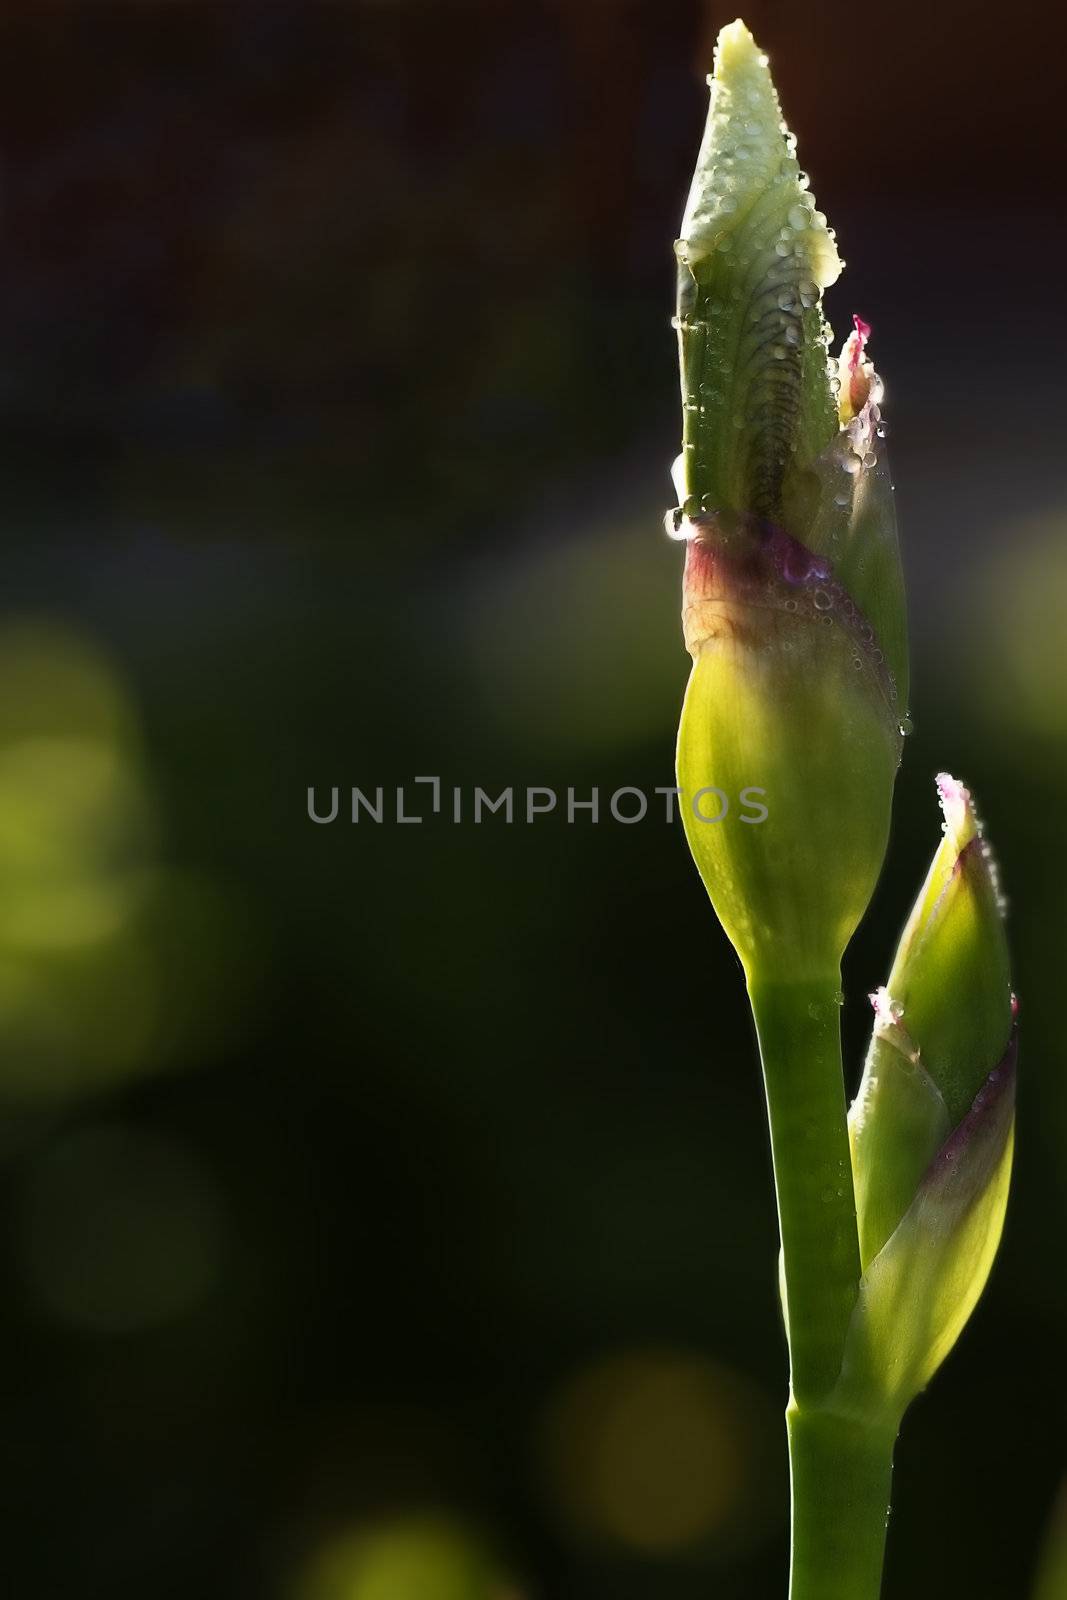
(841, 1472)
(841, 1467)
(798, 1025)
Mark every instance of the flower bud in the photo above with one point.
(793, 598)
(932, 1124)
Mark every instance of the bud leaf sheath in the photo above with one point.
(932, 1125)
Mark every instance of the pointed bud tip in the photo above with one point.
(969, 851)
(957, 805)
(736, 50)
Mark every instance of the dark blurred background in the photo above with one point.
(387, 1210)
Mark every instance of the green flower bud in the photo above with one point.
(793, 597)
(932, 1124)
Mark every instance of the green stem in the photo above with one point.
(841, 1466)
(799, 1030)
(841, 1471)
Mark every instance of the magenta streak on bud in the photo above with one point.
(886, 1010)
(859, 380)
(974, 853)
(737, 562)
(979, 1137)
(888, 1027)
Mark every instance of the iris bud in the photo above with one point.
(932, 1125)
(793, 604)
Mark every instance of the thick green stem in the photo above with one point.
(841, 1471)
(841, 1467)
(799, 1029)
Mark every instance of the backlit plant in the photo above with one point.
(793, 611)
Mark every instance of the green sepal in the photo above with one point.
(897, 1123)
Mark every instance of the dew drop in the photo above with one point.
(823, 600)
